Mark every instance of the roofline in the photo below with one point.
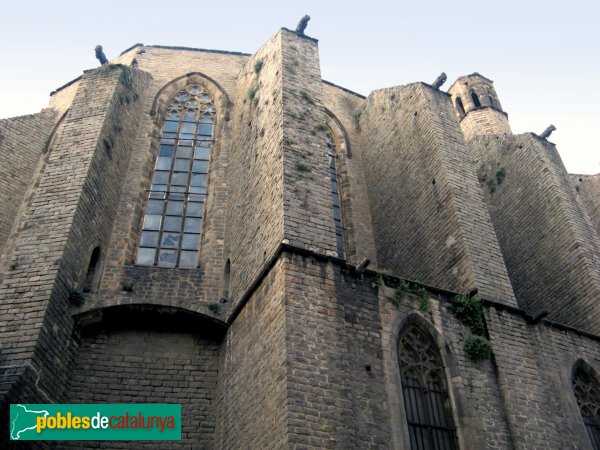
(344, 89)
(474, 74)
(191, 49)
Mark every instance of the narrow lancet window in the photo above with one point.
(425, 393)
(587, 393)
(173, 222)
(335, 196)
(93, 273)
(476, 101)
(460, 107)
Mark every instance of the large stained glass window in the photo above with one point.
(335, 196)
(587, 393)
(172, 224)
(426, 401)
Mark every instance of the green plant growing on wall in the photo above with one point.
(258, 65)
(401, 291)
(251, 93)
(306, 97)
(302, 167)
(468, 311)
(424, 300)
(356, 119)
(380, 277)
(320, 128)
(213, 308)
(500, 173)
(491, 174)
(126, 77)
(76, 297)
(478, 348)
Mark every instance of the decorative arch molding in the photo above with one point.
(166, 93)
(138, 313)
(54, 132)
(339, 133)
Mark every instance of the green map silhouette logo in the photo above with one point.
(24, 420)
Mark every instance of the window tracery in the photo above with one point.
(172, 226)
(426, 400)
(587, 393)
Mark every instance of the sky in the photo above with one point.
(544, 56)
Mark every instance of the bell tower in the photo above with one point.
(478, 107)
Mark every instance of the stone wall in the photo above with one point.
(307, 201)
(588, 193)
(429, 218)
(548, 242)
(137, 357)
(23, 141)
(535, 366)
(254, 227)
(337, 324)
(71, 211)
(484, 121)
(304, 353)
(252, 405)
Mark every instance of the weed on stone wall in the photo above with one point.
(76, 297)
(478, 348)
(491, 175)
(424, 300)
(302, 167)
(258, 65)
(356, 119)
(467, 309)
(319, 128)
(126, 77)
(306, 97)
(385, 278)
(251, 93)
(213, 308)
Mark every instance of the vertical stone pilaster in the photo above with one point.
(71, 212)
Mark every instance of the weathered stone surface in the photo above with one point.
(293, 347)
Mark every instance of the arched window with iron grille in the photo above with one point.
(172, 226)
(587, 393)
(425, 393)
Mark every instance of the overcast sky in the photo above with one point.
(544, 56)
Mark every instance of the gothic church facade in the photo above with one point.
(295, 264)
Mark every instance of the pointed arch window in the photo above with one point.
(172, 226)
(587, 393)
(335, 196)
(425, 392)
